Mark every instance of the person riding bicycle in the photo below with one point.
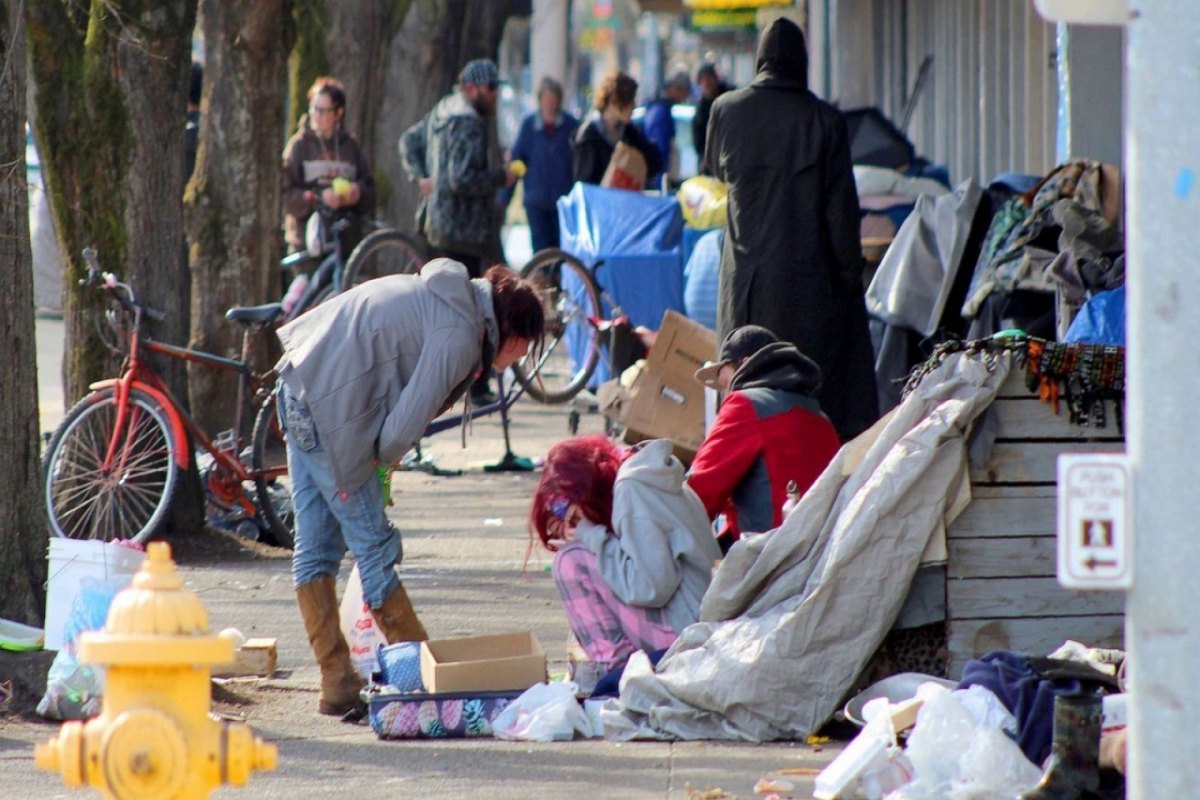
(361, 377)
(324, 165)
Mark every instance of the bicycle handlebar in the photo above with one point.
(110, 283)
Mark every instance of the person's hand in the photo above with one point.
(330, 198)
(352, 197)
(426, 186)
(510, 177)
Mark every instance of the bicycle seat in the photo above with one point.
(260, 314)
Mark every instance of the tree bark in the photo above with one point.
(22, 518)
(112, 82)
(233, 201)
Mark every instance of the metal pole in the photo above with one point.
(1162, 148)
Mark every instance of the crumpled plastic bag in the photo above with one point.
(73, 689)
(703, 201)
(362, 635)
(959, 757)
(546, 712)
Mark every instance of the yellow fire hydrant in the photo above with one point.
(154, 738)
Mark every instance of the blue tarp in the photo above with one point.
(640, 240)
(1101, 320)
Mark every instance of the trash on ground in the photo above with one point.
(547, 712)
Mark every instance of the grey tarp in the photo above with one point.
(792, 616)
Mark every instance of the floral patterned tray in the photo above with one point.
(417, 715)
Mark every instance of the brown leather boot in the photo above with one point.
(397, 620)
(339, 682)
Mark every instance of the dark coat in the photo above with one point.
(792, 258)
(593, 151)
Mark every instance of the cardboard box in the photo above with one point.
(498, 663)
(668, 402)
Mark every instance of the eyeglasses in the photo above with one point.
(317, 110)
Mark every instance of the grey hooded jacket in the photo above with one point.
(376, 364)
(450, 146)
(663, 550)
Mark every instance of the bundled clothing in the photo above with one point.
(594, 148)
(769, 431)
(655, 564)
(792, 259)
(310, 164)
(547, 152)
(450, 146)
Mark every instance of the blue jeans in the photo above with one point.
(329, 519)
(543, 227)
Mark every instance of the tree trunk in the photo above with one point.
(22, 519)
(111, 104)
(233, 201)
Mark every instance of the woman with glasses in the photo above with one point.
(633, 549)
(609, 122)
(323, 165)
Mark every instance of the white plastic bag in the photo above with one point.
(363, 636)
(547, 712)
(957, 757)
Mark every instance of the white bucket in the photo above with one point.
(72, 560)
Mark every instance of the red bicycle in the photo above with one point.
(115, 461)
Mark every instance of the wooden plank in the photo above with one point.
(1006, 516)
(1000, 598)
(1021, 557)
(1033, 462)
(1029, 418)
(1014, 385)
(969, 639)
(257, 657)
(1019, 492)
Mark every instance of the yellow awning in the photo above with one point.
(728, 5)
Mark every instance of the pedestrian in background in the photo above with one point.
(544, 144)
(711, 87)
(792, 258)
(659, 125)
(609, 122)
(447, 154)
(361, 377)
(319, 152)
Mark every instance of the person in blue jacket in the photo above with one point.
(658, 124)
(544, 144)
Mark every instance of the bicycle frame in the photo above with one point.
(137, 375)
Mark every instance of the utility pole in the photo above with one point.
(1162, 162)
(1162, 631)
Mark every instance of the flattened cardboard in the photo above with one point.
(668, 402)
(498, 663)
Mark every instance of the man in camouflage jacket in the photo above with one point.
(447, 153)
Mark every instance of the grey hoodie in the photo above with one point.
(376, 364)
(663, 550)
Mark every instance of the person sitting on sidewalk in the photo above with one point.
(769, 431)
(361, 377)
(633, 548)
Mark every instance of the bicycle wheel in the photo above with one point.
(128, 499)
(571, 348)
(269, 458)
(385, 252)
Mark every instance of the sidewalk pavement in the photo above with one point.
(465, 545)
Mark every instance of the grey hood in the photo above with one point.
(451, 106)
(654, 465)
(473, 303)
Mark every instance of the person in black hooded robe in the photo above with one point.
(792, 258)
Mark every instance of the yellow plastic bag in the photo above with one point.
(703, 200)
